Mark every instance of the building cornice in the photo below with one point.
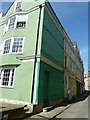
(43, 59)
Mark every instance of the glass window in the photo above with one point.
(11, 22)
(7, 46)
(18, 6)
(13, 45)
(17, 45)
(21, 21)
(6, 77)
(21, 24)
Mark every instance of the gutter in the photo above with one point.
(37, 38)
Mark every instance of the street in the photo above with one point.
(78, 109)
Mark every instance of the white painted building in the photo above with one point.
(87, 82)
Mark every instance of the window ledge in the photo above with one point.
(8, 87)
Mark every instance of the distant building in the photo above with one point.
(74, 69)
(87, 82)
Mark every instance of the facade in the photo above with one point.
(73, 69)
(32, 54)
(79, 70)
(87, 82)
(37, 59)
(69, 71)
(87, 79)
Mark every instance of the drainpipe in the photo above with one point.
(37, 38)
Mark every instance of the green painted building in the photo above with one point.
(31, 54)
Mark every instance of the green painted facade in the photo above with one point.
(51, 84)
(36, 81)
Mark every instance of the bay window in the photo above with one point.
(13, 45)
(16, 21)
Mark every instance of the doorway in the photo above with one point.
(46, 88)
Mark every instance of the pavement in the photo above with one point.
(56, 112)
(77, 110)
(9, 110)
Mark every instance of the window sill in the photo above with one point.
(12, 54)
(13, 29)
(7, 87)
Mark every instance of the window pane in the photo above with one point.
(7, 79)
(17, 45)
(18, 6)
(6, 75)
(12, 22)
(21, 24)
(7, 46)
(12, 77)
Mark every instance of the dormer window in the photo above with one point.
(18, 6)
(21, 21)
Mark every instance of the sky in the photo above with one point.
(74, 18)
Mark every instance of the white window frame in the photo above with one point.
(9, 22)
(9, 83)
(4, 45)
(16, 6)
(26, 15)
(11, 46)
(1, 49)
(22, 46)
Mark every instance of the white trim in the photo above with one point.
(14, 76)
(43, 59)
(12, 39)
(4, 45)
(29, 60)
(49, 62)
(15, 22)
(22, 46)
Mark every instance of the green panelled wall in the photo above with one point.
(52, 41)
(50, 84)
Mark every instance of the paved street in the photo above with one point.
(75, 110)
